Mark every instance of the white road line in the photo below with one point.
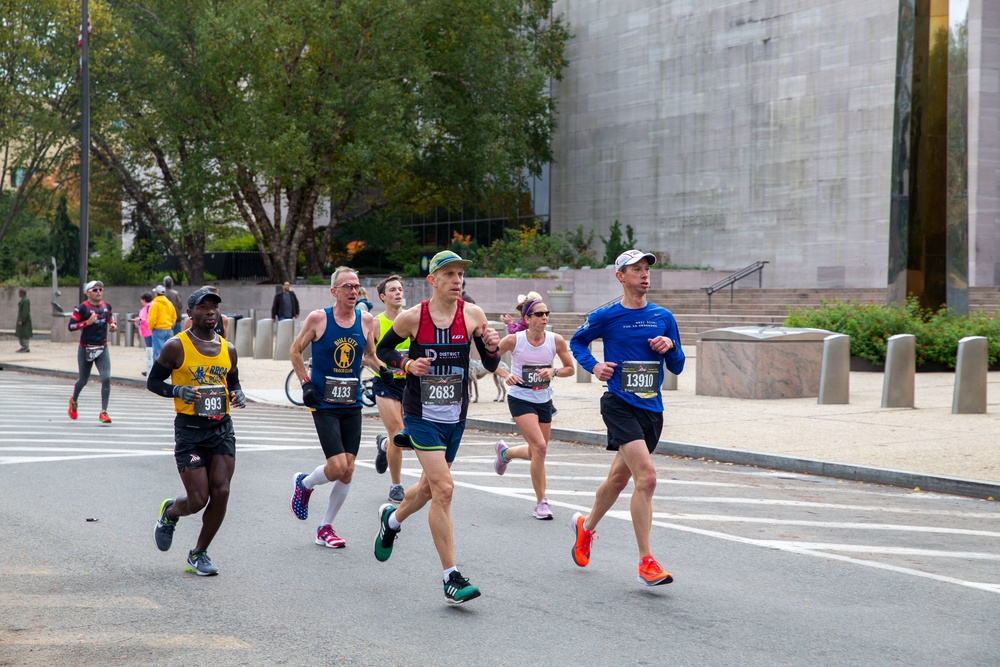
(871, 549)
(833, 525)
(792, 547)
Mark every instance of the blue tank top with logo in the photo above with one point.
(337, 355)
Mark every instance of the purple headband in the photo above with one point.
(527, 309)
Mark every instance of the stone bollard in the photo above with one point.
(669, 381)
(969, 397)
(835, 373)
(581, 374)
(130, 330)
(263, 348)
(243, 337)
(900, 367)
(283, 339)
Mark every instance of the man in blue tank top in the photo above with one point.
(435, 400)
(342, 340)
(640, 338)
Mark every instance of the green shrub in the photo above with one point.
(869, 325)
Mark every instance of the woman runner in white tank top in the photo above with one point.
(529, 395)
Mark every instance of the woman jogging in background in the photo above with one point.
(529, 395)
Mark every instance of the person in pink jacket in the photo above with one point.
(142, 321)
(513, 326)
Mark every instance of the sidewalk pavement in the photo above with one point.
(926, 447)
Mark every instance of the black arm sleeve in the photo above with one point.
(155, 382)
(386, 349)
(232, 380)
(490, 361)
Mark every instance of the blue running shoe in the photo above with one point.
(300, 497)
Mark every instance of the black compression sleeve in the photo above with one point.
(490, 361)
(233, 379)
(386, 349)
(155, 382)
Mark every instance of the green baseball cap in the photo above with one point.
(445, 257)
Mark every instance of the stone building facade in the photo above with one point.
(736, 131)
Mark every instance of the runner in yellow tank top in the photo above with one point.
(205, 383)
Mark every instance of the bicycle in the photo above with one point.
(293, 388)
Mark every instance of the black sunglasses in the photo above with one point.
(539, 313)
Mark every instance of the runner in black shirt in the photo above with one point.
(93, 319)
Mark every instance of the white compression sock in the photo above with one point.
(315, 478)
(338, 494)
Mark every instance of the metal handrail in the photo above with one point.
(729, 281)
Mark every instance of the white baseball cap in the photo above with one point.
(633, 256)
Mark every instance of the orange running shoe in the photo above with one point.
(651, 574)
(584, 538)
(72, 409)
(104, 417)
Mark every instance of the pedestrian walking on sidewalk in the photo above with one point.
(93, 319)
(161, 321)
(640, 338)
(142, 321)
(441, 331)
(174, 297)
(389, 395)
(205, 384)
(529, 395)
(342, 340)
(23, 329)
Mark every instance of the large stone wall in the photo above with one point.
(984, 142)
(731, 132)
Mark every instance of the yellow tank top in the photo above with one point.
(197, 369)
(384, 324)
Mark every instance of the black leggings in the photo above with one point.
(103, 364)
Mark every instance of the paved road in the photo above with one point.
(771, 568)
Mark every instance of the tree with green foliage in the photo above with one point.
(39, 102)
(65, 241)
(298, 117)
(614, 245)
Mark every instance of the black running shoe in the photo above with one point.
(458, 590)
(386, 535)
(381, 458)
(164, 531)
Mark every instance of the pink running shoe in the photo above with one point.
(500, 464)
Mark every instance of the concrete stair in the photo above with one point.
(756, 307)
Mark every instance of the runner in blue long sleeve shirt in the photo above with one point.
(640, 339)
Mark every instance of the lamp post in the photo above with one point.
(84, 146)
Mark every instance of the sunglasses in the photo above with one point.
(540, 313)
(96, 289)
(349, 286)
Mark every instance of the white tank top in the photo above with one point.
(526, 354)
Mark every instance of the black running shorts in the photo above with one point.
(194, 447)
(519, 407)
(627, 423)
(393, 390)
(339, 430)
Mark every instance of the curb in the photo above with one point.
(958, 486)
